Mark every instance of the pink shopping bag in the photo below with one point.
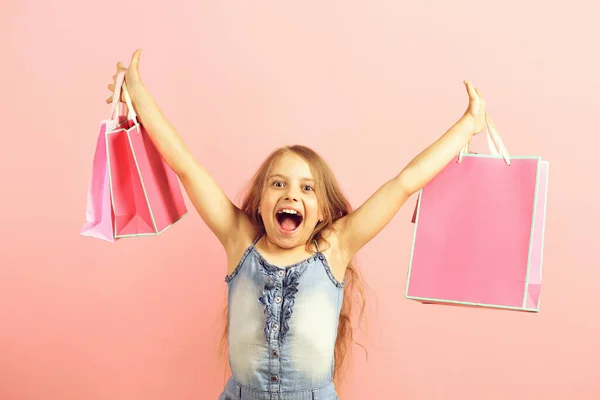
(132, 191)
(479, 231)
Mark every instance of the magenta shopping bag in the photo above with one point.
(479, 231)
(132, 191)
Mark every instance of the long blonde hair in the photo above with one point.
(333, 205)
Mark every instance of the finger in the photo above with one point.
(109, 100)
(111, 87)
(120, 68)
(478, 93)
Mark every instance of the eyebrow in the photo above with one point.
(285, 177)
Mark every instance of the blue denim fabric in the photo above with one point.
(235, 391)
(282, 329)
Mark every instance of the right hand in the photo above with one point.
(132, 76)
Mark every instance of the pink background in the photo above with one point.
(368, 85)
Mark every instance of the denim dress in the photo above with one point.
(283, 325)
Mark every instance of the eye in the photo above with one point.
(308, 188)
(278, 184)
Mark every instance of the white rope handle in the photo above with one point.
(495, 143)
(116, 108)
(121, 87)
(131, 115)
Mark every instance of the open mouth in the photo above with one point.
(289, 220)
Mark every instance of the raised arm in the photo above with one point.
(222, 217)
(358, 228)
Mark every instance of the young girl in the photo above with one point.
(289, 249)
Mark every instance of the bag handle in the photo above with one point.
(131, 115)
(495, 143)
(117, 106)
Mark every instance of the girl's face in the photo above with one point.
(289, 206)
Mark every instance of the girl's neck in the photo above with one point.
(272, 248)
(280, 255)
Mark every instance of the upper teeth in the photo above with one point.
(287, 210)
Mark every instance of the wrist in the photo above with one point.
(467, 125)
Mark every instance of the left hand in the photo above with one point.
(132, 78)
(475, 114)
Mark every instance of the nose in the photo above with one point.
(292, 194)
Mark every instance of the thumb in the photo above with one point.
(471, 91)
(135, 61)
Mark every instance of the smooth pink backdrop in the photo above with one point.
(367, 84)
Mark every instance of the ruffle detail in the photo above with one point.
(338, 284)
(228, 278)
(267, 299)
(288, 287)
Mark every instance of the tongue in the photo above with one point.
(288, 224)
